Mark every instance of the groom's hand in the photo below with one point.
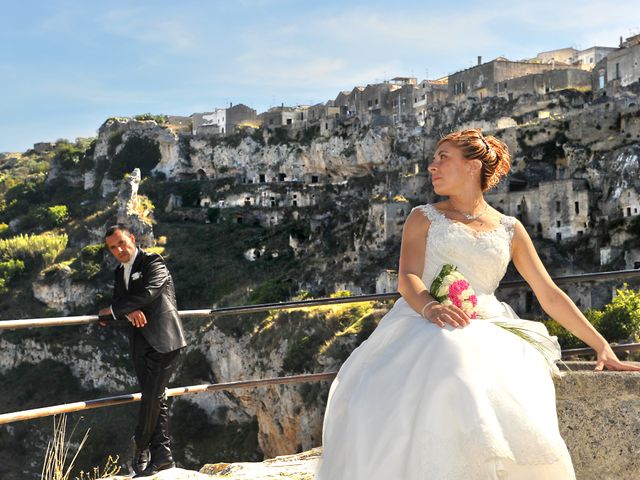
(137, 318)
(103, 316)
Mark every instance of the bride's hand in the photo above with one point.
(447, 314)
(607, 358)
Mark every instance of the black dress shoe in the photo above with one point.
(154, 468)
(141, 458)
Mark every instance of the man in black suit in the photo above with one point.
(144, 295)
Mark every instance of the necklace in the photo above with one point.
(472, 217)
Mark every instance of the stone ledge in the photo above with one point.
(599, 418)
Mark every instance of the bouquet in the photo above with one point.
(451, 288)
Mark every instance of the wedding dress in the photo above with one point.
(419, 402)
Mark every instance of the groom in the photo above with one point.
(143, 294)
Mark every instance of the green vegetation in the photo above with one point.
(312, 331)
(159, 119)
(618, 321)
(72, 155)
(33, 249)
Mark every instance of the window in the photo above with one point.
(376, 101)
(289, 121)
(617, 71)
(577, 207)
(262, 178)
(314, 178)
(557, 223)
(557, 206)
(369, 103)
(558, 236)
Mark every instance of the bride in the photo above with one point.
(433, 394)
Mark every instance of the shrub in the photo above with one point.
(56, 215)
(620, 319)
(159, 119)
(90, 261)
(33, 249)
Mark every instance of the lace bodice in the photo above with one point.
(481, 256)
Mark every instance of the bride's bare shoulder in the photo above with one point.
(418, 218)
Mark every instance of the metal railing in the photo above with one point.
(312, 377)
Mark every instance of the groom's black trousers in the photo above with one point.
(153, 370)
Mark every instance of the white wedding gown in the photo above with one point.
(419, 402)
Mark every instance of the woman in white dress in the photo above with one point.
(433, 394)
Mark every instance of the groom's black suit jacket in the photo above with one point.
(150, 290)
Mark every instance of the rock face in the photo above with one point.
(62, 293)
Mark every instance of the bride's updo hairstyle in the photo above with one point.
(494, 154)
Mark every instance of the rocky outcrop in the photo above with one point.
(132, 213)
(59, 291)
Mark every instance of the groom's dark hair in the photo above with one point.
(118, 226)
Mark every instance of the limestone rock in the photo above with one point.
(130, 212)
(299, 466)
(62, 293)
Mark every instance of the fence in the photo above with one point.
(312, 377)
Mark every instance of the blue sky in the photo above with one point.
(66, 66)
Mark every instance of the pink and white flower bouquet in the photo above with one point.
(451, 288)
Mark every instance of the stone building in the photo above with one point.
(349, 102)
(562, 55)
(402, 99)
(44, 147)
(619, 68)
(240, 114)
(545, 82)
(485, 79)
(429, 94)
(209, 123)
(556, 210)
(588, 58)
(375, 101)
(629, 202)
(385, 221)
(284, 117)
(387, 281)
(322, 113)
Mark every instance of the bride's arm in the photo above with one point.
(556, 303)
(410, 284)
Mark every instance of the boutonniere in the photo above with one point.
(136, 275)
